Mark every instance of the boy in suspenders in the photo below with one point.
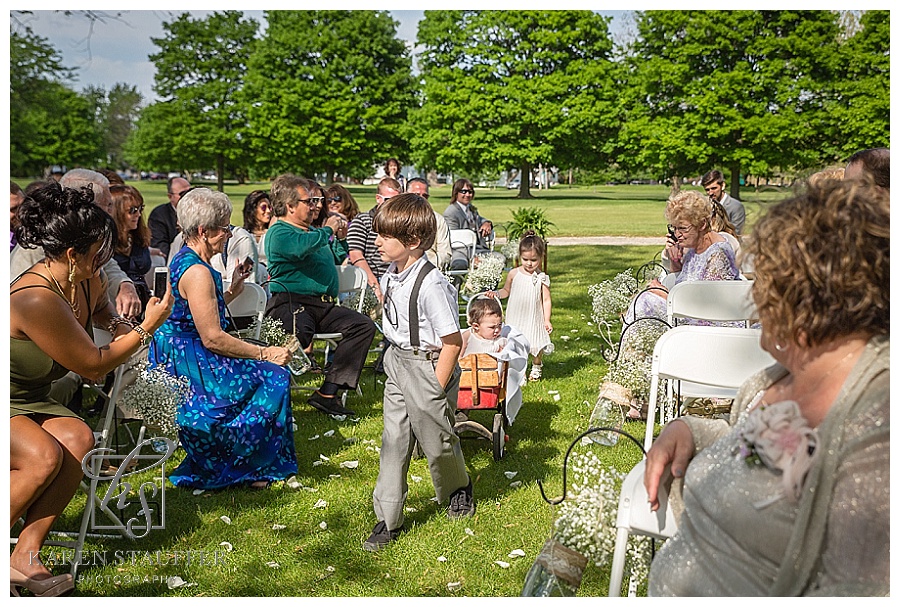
(421, 323)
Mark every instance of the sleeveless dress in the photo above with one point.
(32, 371)
(525, 311)
(236, 425)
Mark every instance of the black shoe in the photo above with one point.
(329, 405)
(381, 537)
(462, 503)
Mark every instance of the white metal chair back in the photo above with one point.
(706, 362)
(634, 517)
(353, 280)
(251, 302)
(464, 240)
(712, 300)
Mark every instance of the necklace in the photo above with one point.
(71, 301)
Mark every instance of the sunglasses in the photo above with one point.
(263, 206)
(335, 199)
(312, 202)
(466, 191)
(136, 210)
(182, 193)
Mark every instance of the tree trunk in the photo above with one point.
(735, 190)
(676, 184)
(432, 178)
(525, 181)
(329, 175)
(220, 172)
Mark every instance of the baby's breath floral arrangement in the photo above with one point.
(586, 523)
(371, 306)
(485, 273)
(609, 299)
(631, 369)
(271, 331)
(156, 396)
(510, 250)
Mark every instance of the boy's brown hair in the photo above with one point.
(408, 218)
(483, 306)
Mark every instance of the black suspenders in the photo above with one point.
(414, 306)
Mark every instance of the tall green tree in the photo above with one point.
(328, 92)
(746, 91)
(49, 122)
(200, 120)
(512, 89)
(862, 116)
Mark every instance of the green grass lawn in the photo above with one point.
(307, 558)
(620, 210)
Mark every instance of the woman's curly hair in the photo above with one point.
(57, 218)
(822, 263)
(690, 206)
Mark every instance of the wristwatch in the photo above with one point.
(145, 337)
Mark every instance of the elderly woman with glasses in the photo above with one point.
(236, 424)
(132, 251)
(695, 250)
(304, 286)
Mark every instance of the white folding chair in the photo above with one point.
(251, 302)
(634, 517)
(712, 300)
(704, 362)
(463, 240)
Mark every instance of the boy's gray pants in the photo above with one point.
(416, 408)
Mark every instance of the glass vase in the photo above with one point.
(609, 413)
(557, 571)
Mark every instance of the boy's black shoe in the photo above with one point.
(331, 406)
(381, 537)
(462, 503)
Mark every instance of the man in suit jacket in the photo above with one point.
(462, 215)
(714, 184)
(163, 220)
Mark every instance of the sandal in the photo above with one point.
(535, 374)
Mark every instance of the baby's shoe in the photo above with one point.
(535, 373)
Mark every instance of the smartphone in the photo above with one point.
(160, 281)
(672, 238)
(247, 264)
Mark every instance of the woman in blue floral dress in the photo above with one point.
(236, 427)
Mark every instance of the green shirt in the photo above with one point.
(301, 261)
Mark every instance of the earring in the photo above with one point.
(780, 347)
(71, 272)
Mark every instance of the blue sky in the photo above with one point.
(117, 51)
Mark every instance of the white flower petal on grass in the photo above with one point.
(176, 582)
(573, 330)
(197, 491)
(416, 479)
(334, 476)
(323, 525)
(318, 462)
(339, 418)
(277, 527)
(565, 337)
(225, 519)
(273, 564)
(502, 564)
(409, 509)
(293, 483)
(556, 397)
(320, 504)
(515, 484)
(517, 553)
(311, 489)
(313, 437)
(552, 391)
(294, 427)
(350, 464)
(329, 569)
(324, 458)
(328, 433)
(227, 546)
(510, 475)
(442, 559)
(470, 532)
(454, 585)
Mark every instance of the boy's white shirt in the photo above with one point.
(438, 306)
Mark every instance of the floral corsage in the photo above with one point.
(778, 437)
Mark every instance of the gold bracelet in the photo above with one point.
(145, 337)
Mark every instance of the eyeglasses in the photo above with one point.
(466, 191)
(385, 198)
(312, 202)
(136, 210)
(225, 228)
(182, 193)
(425, 196)
(680, 229)
(335, 199)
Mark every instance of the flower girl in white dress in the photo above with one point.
(529, 306)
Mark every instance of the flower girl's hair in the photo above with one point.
(532, 242)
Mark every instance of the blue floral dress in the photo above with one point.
(236, 426)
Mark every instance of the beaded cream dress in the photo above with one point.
(740, 536)
(525, 310)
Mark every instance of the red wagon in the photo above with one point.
(482, 387)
